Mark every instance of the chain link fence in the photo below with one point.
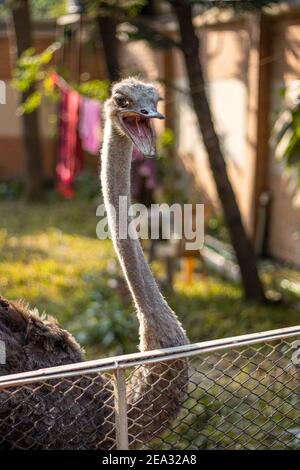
(235, 393)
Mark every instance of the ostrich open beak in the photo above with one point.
(139, 128)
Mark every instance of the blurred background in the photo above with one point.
(229, 75)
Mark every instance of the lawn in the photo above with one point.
(51, 258)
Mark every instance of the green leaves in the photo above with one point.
(31, 103)
(48, 8)
(139, 30)
(30, 67)
(165, 139)
(96, 89)
(286, 136)
(32, 70)
(35, 70)
(237, 5)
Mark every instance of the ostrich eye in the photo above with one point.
(121, 101)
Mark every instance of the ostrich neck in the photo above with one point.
(159, 326)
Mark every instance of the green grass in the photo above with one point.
(50, 257)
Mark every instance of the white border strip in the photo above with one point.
(148, 357)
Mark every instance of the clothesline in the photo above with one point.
(90, 113)
(62, 84)
(79, 129)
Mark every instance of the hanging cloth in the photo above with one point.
(70, 161)
(90, 125)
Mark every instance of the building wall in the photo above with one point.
(12, 157)
(284, 228)
(12, 154)
(230, 54)
(225, 55)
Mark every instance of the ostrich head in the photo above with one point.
(131, 107)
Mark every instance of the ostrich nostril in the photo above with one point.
(144, 111)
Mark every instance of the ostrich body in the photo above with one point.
(47, 417)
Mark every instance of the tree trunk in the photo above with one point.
(33, 150)
(107, 27)
(190, 45)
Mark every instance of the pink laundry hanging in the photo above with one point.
(90, 125)
(70, 155)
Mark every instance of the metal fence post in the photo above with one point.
(121, 410)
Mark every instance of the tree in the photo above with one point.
(190, 45)
(33, 150)
(109, 13)
(107, 27)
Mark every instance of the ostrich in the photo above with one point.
(60, 415)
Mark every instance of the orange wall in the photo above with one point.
(232, 66)
(225, 55)
(284, 230)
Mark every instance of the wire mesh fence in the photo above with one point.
(236, 393)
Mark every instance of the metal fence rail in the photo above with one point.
(234, 393)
